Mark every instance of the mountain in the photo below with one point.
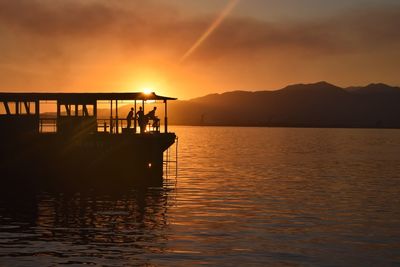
(375, 88)
(302, 105)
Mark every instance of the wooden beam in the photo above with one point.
(59, 110)
(111, 116)
(37, 108)
(68, 109)
(135, 119)
(85, 110)
(165, 117)
(116, 116)
(27, 107)
(7, 107)
(58, 116)
(95, 109)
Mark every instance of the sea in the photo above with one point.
(241, 197)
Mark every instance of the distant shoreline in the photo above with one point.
(287, 126)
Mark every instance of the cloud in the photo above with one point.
(146, 23)
(68, 42)
(77, 19)
(351, 32)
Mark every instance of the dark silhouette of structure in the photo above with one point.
(74, 145)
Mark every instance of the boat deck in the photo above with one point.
(73, 144)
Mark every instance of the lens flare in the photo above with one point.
(147, 91)
(225, 12)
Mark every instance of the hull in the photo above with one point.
(93, 160)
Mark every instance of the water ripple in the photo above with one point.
(244, 196)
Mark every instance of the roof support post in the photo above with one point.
(85, 112)
(95, 109)
(37, 108)
(166, 117)
(58, 110)
(37, 116)
(135, 119)
(111, 116)
(116, 115)
(16, 108)
(145, 126)
(95, 115)
(59, 115)
(68, 109)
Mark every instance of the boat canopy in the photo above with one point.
(21, 112)
(80, 97)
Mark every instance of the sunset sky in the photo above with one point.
(129, 45)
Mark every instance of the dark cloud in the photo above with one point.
(353, 31)
(79, 19)
(42, 18)
(145, 23)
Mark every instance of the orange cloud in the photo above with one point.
(99, 45)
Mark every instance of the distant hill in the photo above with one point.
(301, 105)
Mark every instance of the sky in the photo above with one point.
(190, 48)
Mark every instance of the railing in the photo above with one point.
(119, 126)
(115, 126)
(48, 125)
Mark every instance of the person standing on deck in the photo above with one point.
(129, 118)
(141, 121)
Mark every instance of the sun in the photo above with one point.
(147, 91)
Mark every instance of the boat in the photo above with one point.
(64, 139)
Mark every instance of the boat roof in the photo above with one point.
(89, 97)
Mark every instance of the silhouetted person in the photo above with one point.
(152, 116)
(141, 120)
(129, 118)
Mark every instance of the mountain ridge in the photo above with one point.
(318, 104)
(317, 86)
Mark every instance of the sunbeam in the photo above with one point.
(225, 12)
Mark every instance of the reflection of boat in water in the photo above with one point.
(72, 145)
(64, 228)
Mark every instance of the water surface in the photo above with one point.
(244, 196)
